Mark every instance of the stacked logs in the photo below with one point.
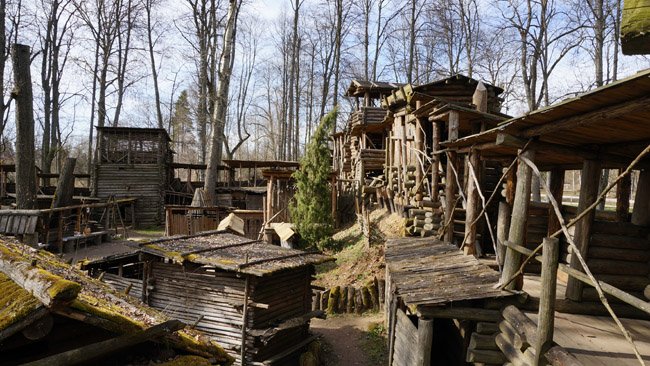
(424, 221)
(350, 299)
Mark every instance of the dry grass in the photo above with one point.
(359, 259)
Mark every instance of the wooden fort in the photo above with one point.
(253, 298)
(487, 210)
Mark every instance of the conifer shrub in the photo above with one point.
(311, 209)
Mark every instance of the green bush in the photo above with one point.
(311, 210)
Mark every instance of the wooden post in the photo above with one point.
(480, 98)
(450, 184)
(419, 146)
(517, 231)
(503, 224)
(472, 210)
(244, 320)
(641, 210)
(435, 164)
(623, 190)
(546, 313)
(425, 340)
(25, 159)
(65, 185)
(589, 181)
(557, 188)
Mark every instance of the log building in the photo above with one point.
(253, 298)
(136, 163)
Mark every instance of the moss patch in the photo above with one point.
(15, 302)
(187, 361)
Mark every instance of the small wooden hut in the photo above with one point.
(251, 297)
(134, 162)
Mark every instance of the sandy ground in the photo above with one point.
(343, 335)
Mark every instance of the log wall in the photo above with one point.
(146, 182)
(213, 300)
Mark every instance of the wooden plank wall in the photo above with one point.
(146, 182)
(122, 283)
(188, 296)
(288, 295)
(406, 338)
(216, 298)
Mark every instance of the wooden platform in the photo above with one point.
(594, 340)
(427, 272)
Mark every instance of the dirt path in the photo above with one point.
(344, 335)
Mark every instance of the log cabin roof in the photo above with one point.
(427, 272)
(610, 123)
(358, 88)
(120, 130)
(231, 252)
(67, 291)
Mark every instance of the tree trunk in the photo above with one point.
(65, 185)
(154, 72)
(25, 168)
(221, 102)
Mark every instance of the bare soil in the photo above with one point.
(347, 342)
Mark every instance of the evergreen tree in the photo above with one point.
(311, 210)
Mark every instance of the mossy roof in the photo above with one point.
(15, 302)
(231, 252)
(96, 302)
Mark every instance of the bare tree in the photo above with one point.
(220, 102)
(55, 37)
(151, 44)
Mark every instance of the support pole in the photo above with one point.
(623, 191)
(546, 312)
(503, 224)
(425, 341)
(450, 184)
(589, 182)
(472, 209)
(517, 231)
(641, 210)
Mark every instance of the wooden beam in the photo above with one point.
(450, 179)
(589, 181)
(461, 313)
(91, 351)
(593, 116)
(517, 231)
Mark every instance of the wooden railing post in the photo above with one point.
(546, 312)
